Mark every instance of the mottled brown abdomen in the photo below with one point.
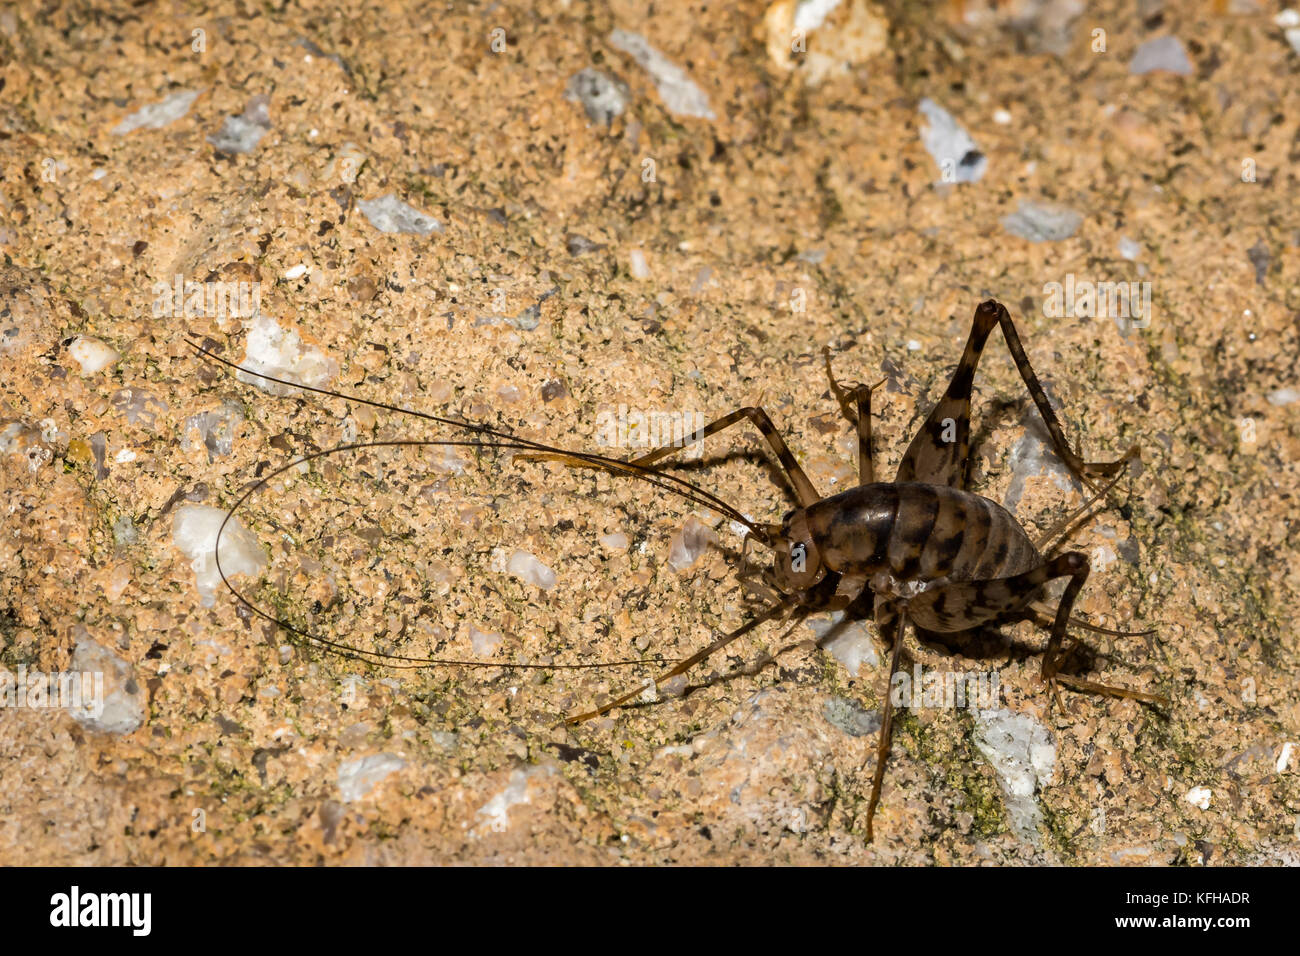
(920, 532)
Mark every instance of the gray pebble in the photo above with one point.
(390, 214)
(602, 96)
(954, 152)
(849, 717)
(240, 134)
(581, 245)
(1162, 53)
(676, 89)
(1042, 222)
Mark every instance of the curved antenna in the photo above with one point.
(680, 486)
(346, 650)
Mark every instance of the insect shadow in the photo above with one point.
(921, 550)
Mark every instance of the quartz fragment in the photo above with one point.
(360, 776)
(389, 214)
(242, 133)
(676, 89)
(954, 152)
(194, 531)
(92, 355)
(158, 115)
(215, 428)
(1163, 53)
(1042, 222)
(689, 543)
(1023, 753)
(282, 354)
(602, 97)
(120, 708)
(528, 569)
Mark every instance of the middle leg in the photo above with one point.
(859, 395)
(803, 488)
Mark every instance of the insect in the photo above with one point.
(921, 550)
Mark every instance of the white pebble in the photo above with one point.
(1287, 19)
(495, 814)
(194, 531)
(1199, 797)
(528, 569)
(358, 777)
(92, 355)
(636, 261)
(946, 140)
(617, 541)
(689, 543)
(1283, 396)
(1129, 248)
(297, 272)
(1023, 753)
(158, 115)
(484, 643)
(348, 162)
(1284, 758)
(1001, 117)
(281, 353)
(852, 644)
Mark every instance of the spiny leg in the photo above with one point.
(680, 667)
(751, 579)
(1075, 564)
(888, 619)
(1066, 526)
(964, 605)
(940, 452)
(803, 488)
(763, 660)
(859, 395)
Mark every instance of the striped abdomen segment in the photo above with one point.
(920, 532)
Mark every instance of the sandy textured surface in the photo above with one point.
(691, 249)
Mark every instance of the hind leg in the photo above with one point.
(965, 605)
(940, 452)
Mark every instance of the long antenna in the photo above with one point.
(679, 486)
(346, 650)
(510, 442)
